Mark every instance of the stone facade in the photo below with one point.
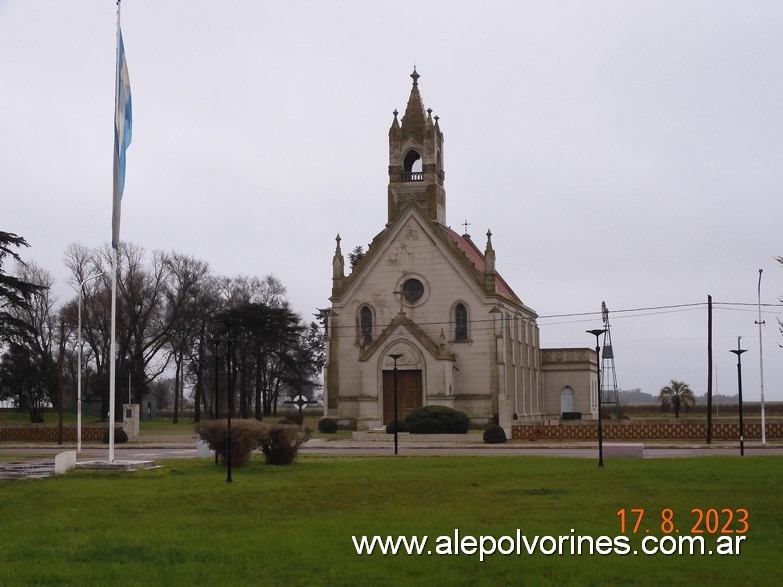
(571, 381)
(430, 302)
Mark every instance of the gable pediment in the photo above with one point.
(414, 244)
(426, 342)
(403, 245)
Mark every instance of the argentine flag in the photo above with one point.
(122, 137)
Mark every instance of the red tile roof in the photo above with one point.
(475, 256)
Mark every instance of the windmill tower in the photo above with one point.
(609, 391)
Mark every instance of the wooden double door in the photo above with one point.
(408, 393)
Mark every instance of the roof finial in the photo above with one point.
(415, 76)
(466, 224)
(489, 265)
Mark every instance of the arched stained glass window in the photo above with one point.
(460, 322)
(365, 324)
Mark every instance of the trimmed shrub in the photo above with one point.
(245, 438)
(120, 436)
(401, 426)
(280, 443)
(327, 425)
(437, 420)
(494, 434)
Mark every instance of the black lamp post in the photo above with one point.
(396, 423)
(228, 323)
(739, 352)
(230, 408)
(598, 332)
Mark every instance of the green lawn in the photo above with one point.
(183, 525)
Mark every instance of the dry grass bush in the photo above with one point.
(245, 438)
(280, 443)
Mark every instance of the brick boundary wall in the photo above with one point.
(673, 431)
(48, 433)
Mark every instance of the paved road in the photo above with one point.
(318, 446)
(43, 464)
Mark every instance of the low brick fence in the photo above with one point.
(588, 430)
(48, 433)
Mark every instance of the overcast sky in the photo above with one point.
(621, 151)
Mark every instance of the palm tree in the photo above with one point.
(677, 393)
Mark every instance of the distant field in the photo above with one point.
(183, 525)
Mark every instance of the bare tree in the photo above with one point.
(244, 289)
(189, 299)
(142, 327)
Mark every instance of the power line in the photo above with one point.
(587, 316)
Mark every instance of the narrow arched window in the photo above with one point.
(460, 322)
(365, 324)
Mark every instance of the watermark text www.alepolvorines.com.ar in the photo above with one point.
(571, 544)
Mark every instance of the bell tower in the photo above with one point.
(416, 160)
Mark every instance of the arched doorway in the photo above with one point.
(567, 400)
(410, 389)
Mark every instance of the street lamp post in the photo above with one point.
(396, 423)
(79, 365)
(228, 323)
(761, 322)
(739, 352)
(597, 333)
(230, 409)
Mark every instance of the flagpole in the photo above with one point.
(113, 351)
(113, 344)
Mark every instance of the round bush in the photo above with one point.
(120, 436)
(401, 426)
(437, 420)
(494, 434)
(246, 436)
(327, 425)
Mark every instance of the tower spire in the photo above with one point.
(416, 159)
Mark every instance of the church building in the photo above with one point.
(431, 303)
